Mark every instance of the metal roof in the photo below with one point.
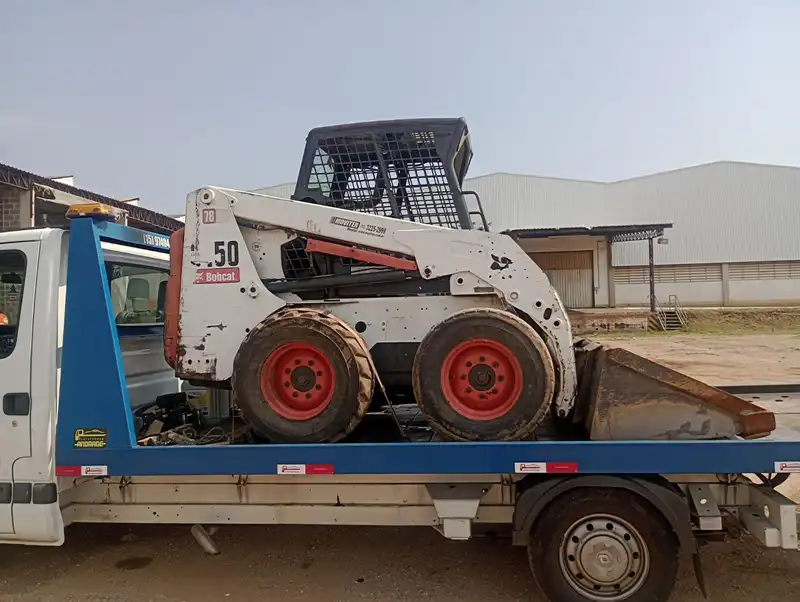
(26, 180)
(620, 233)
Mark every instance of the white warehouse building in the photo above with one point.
(731, 233)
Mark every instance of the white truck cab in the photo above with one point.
(33, 286)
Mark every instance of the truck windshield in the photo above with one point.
(137, 293)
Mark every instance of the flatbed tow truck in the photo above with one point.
(602, 520)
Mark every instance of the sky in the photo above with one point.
(156, 98)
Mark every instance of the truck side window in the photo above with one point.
(137, 293)
(12, 278)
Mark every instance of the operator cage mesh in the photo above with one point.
(410, 170)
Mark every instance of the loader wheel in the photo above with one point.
(483, 375)
(603, 544)
(303, 376)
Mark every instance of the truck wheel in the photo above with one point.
(303, 376)
(603, 544)
(483, 375)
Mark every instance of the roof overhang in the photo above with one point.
(48, 190)
(619, 233)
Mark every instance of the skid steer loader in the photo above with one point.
(378, 281)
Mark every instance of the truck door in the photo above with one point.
(18, 267)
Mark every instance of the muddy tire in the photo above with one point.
(483, 375)
(603, 544)
(302, 376)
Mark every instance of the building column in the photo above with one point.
(726, 286)
(27, 211)
(612, 286)
(651, 264)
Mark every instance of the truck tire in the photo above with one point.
(483, 375)
(302, 376)
(603, 544)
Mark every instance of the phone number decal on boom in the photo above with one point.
(357, 226)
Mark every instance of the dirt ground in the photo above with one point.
(721, 359)
(341, 564)
(315, 564)
(744, 320)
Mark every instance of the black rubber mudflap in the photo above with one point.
(623, 396)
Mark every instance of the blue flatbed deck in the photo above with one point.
(94, 396)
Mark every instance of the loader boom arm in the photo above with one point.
(227, 256)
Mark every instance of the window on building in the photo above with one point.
(137, 293)
(12, 278)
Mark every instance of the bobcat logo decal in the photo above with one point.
(500, 263)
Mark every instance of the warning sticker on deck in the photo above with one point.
(305, 469)
(545, 467)
(82, 471)
(787, 466)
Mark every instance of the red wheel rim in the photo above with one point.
(481, 379)
(297, 381)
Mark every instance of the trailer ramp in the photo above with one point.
(624, 396)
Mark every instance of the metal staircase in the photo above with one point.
(670, 318)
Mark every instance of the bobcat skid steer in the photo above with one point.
(376, 281)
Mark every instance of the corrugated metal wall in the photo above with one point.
(724, 211)
(571, 274)
(746, 284)
(694, 285)
(772, 270)
(639, 274)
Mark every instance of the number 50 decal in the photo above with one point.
(226, 253)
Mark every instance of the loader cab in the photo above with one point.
(407, 169)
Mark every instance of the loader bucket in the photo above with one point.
(625, 396)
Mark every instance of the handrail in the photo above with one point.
(678, 309)
(660, 314)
